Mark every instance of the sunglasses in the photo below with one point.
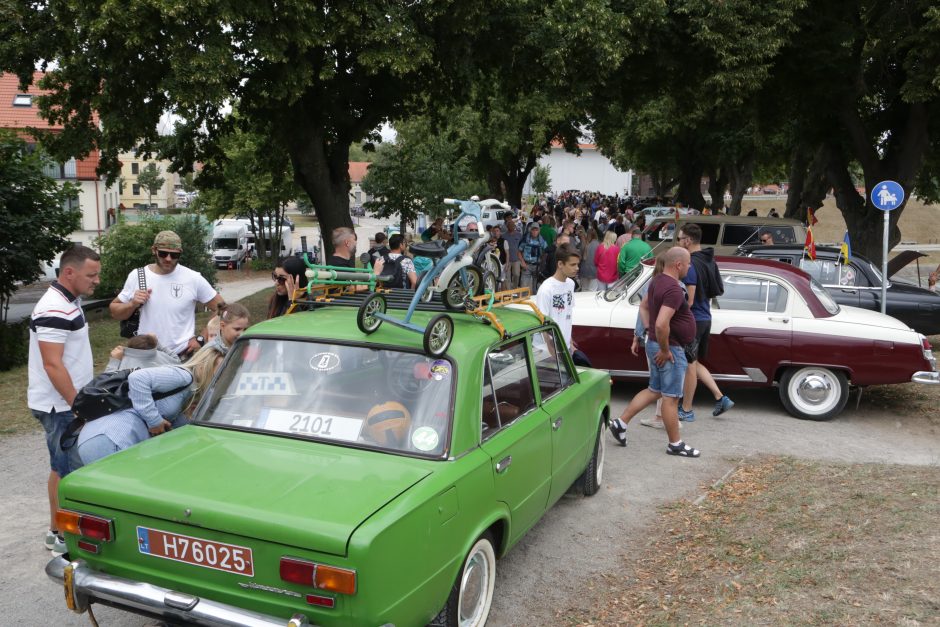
(167, 253)
(280, 278)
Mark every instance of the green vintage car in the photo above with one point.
(336, 478)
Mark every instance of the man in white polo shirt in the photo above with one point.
(60, 362)
(168, 305)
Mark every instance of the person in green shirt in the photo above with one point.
(547, 229)
(633, 252)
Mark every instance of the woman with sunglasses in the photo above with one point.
(288, 275)
(167, 301)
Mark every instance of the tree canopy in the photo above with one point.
(36, 215)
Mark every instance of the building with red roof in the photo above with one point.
(357, 172)
(20, 111)
(589, 171)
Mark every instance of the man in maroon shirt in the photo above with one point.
(664, 309)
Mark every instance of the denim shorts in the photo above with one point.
(54, 424)
(669, 378)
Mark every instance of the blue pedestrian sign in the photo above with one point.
(887, 195)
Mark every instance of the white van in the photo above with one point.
(229, 243)
(287, 242)
(495, 213)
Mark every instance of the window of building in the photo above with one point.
(135, 169)
(136, 189)
(22, 100)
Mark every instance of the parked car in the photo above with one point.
(722, 232)
(334, 478)
(495, 213)
(858, 283)
(774, 326)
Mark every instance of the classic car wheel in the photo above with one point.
(814, 393)
(455, 295)
(366, 318)
(438, 334)
(472, 595)
(594, 473)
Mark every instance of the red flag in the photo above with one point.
(811, 217)
(809, 248)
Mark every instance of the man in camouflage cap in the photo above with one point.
(167, 303)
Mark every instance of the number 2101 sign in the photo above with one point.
(317, 425)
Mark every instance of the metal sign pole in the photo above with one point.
(886, 196)
(884, 263)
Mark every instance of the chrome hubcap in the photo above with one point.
(815, 389)
(473, 589)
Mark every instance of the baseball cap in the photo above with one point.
(168, 240)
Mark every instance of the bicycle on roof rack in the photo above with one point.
(458, 282)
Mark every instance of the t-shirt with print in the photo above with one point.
(170, 314)
(665, 290)
(58, 318)
(555, 299)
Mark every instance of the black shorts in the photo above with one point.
(703, 329)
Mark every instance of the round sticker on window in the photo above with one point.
(425, 439)
(440, 369)
(324, 362)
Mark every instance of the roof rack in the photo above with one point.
(318, 295)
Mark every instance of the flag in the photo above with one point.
(809, 248)
(811, 217)
(845, 251)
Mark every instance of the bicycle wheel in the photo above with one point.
(366, 319)
(457, 291)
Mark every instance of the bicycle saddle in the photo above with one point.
(431, 250)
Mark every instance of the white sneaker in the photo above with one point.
(55, 542)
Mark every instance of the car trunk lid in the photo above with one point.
(298, 493)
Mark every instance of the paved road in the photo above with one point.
(558, 564)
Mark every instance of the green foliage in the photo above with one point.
(34, 220)
(127, 246)
(542, 179)
(416, 173)
(150, 179)
(14, 344)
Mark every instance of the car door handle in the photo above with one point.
(556, 425)
(778, 319)
(503, 464)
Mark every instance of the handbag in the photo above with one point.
(130, 327)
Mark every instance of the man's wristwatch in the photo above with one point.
(201, 340)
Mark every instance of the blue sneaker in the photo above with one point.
(619, 431)
(722, 405)
(686, 416)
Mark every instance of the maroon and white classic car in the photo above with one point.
(774, 325)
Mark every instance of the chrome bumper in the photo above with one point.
(926, 376)
(84, 586)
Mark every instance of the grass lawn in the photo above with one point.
(788, 542)
(15, 416)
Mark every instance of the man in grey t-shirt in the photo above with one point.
(514, 268)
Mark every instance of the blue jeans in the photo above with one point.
(54, 424)
(95, 448)
(668, 378)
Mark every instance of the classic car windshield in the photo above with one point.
(619, 287)
(346, 395)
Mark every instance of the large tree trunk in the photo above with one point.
(494, 181)
(717, 184)
(808, 181)
(321, 168)
(515, 177)
(740, 175)
(690, 182)
(662, 183)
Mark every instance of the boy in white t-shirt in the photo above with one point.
(555, 299)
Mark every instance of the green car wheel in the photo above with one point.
(472, 595)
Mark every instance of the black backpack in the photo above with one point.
(393, 268)
(106, 394)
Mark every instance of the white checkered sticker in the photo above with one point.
(265, 383)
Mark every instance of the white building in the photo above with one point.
(589, 171)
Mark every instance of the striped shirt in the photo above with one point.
(58, 319)
(130, 426)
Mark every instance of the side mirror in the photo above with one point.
(364, 258)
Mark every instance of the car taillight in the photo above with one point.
(320, 576)
(85, 525)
